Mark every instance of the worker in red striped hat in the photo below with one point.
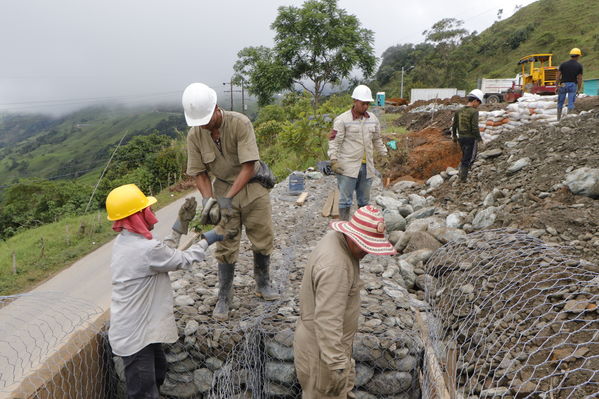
(330, 304)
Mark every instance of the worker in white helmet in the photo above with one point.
(223, 144)
(356, 134)
(466, 132)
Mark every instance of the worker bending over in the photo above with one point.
(141, 309)
(466, 132)
(223, 144)
(330, 304)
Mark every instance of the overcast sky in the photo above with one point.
(64, 54)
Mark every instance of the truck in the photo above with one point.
(494, 89)
(430, 94)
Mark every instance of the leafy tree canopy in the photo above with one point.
(315, 45)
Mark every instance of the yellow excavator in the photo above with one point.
(538, 76)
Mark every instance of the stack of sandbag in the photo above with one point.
(529, 108)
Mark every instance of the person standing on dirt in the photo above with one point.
(356, 133)
(330, 304)
(141, 309)
(569, 81)
(466, 132)
(224, 144)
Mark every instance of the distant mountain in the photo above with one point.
(545, 26)
(74, 144)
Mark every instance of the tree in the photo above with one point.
(315, 45)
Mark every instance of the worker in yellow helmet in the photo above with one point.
(141, 310)
(569, 81)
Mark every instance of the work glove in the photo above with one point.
(212, 236)
(335, 167)
(186, 214)
(338, 381)
(226, 209)
(210, 212)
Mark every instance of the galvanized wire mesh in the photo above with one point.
(522, 316)
(52, 346)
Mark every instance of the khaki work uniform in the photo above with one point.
(251, 206)
(329, 312)
(354, 140)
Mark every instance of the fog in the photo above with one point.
(62, 55)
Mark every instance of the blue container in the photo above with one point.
(296, 183)
(591, 87)
(380, 98)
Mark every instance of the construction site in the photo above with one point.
(494, 292)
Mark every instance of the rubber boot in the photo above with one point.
(225, 292)
(559, 114)
(263, 288)
(463, 173)
(344, 213)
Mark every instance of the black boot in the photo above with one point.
(344, 213)
(225, 293)
(261, 275)
(559, 113)
(463, 173)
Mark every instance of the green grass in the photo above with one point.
(388, 127)
(64, 242)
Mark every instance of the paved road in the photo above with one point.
(35, 325)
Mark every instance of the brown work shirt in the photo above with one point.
(238, 145)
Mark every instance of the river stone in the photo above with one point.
(285, 337)
(393, 220)
(421, 240)
(421, 255)
(191, 327)
(423, 281)
(179, 390)
(435, 181)
(518, 165)
(417, 201)
(390, 383)
(407, 273)
(455, 220)
(214, 363)
(408, 364)
(183, 366)
(388, 202)
(273, 390)
(278, 351)
(584, 181)
(491, 153)
(425, 224)
(203, 379)
(484, 218)
(364, 395)
(403, 185)
(184, 300)
(280, 372)
(179, 284)
(405, 210)
(446, 234)
(395, 236)
(421, 213)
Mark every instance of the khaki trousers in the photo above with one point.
(256, 217)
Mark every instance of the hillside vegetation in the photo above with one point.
(69, 146)
(453, 57)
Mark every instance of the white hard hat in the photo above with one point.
(478, 94)
(199, 101)
(362, 93)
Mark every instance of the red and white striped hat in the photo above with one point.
(367, 229)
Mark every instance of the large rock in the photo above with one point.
(456, 220)
(202, 378)
(435, 181)
(417, 201)
(484, 218)
(404, 185)
(278, 351)
(281, 372)
(421, 240)
(179, 390)
(490, 153)
(390, 383)
(406, 270)
(395, 236)
(363, 374)
(518, 165)
(446, 234)
(584, 181)
(421, 213)
(388, 202)
(393, 220)
(425, 224)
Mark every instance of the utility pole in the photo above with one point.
(231, 90)
(403, 71)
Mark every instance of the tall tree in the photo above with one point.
(315, 45)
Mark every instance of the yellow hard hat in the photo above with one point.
(575, 51)
(126, 200)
